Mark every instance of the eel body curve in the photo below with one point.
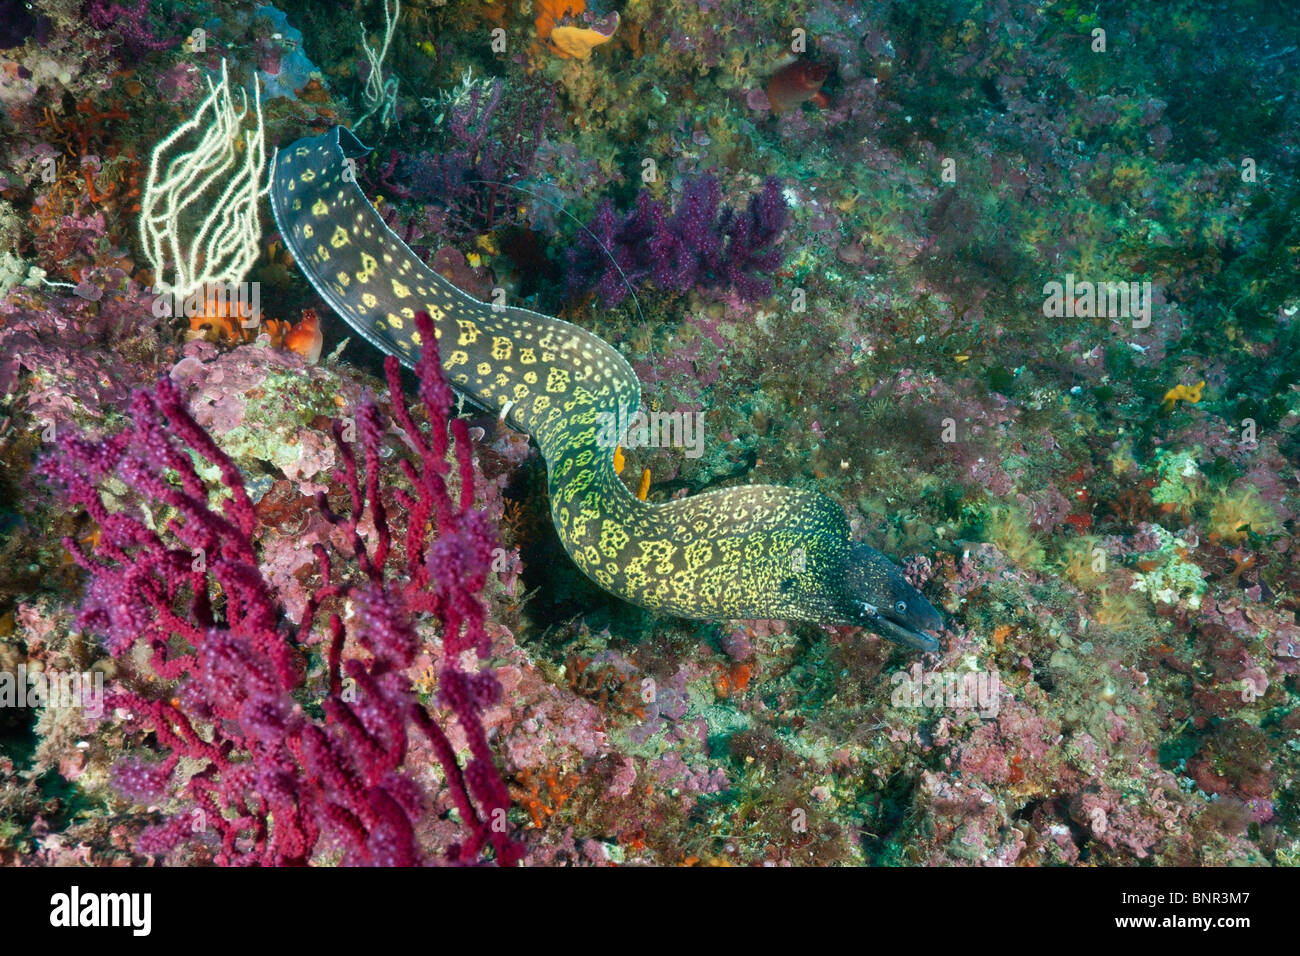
(747, 552)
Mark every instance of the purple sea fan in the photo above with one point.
(751, 242)
(143, 781)
(696, 247)
(276, 779)
(491, 145)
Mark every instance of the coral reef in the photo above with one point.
(848, 246)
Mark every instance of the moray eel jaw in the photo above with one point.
(876, 596)
(874, 619)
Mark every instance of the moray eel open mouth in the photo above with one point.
(747, 552)
(887, 626)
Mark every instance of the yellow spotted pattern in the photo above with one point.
(723, 554)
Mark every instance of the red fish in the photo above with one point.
(305, 338)
(798, 83)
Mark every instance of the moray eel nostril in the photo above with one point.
(757, 551)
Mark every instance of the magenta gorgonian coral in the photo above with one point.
(283, 760)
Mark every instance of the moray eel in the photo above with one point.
(745, 552)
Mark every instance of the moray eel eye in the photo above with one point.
(900, 608)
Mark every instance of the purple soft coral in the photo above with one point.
(491, 148)
(694, 247)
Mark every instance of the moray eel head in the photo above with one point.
(873, 594)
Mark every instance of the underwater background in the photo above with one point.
(1013, 283)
